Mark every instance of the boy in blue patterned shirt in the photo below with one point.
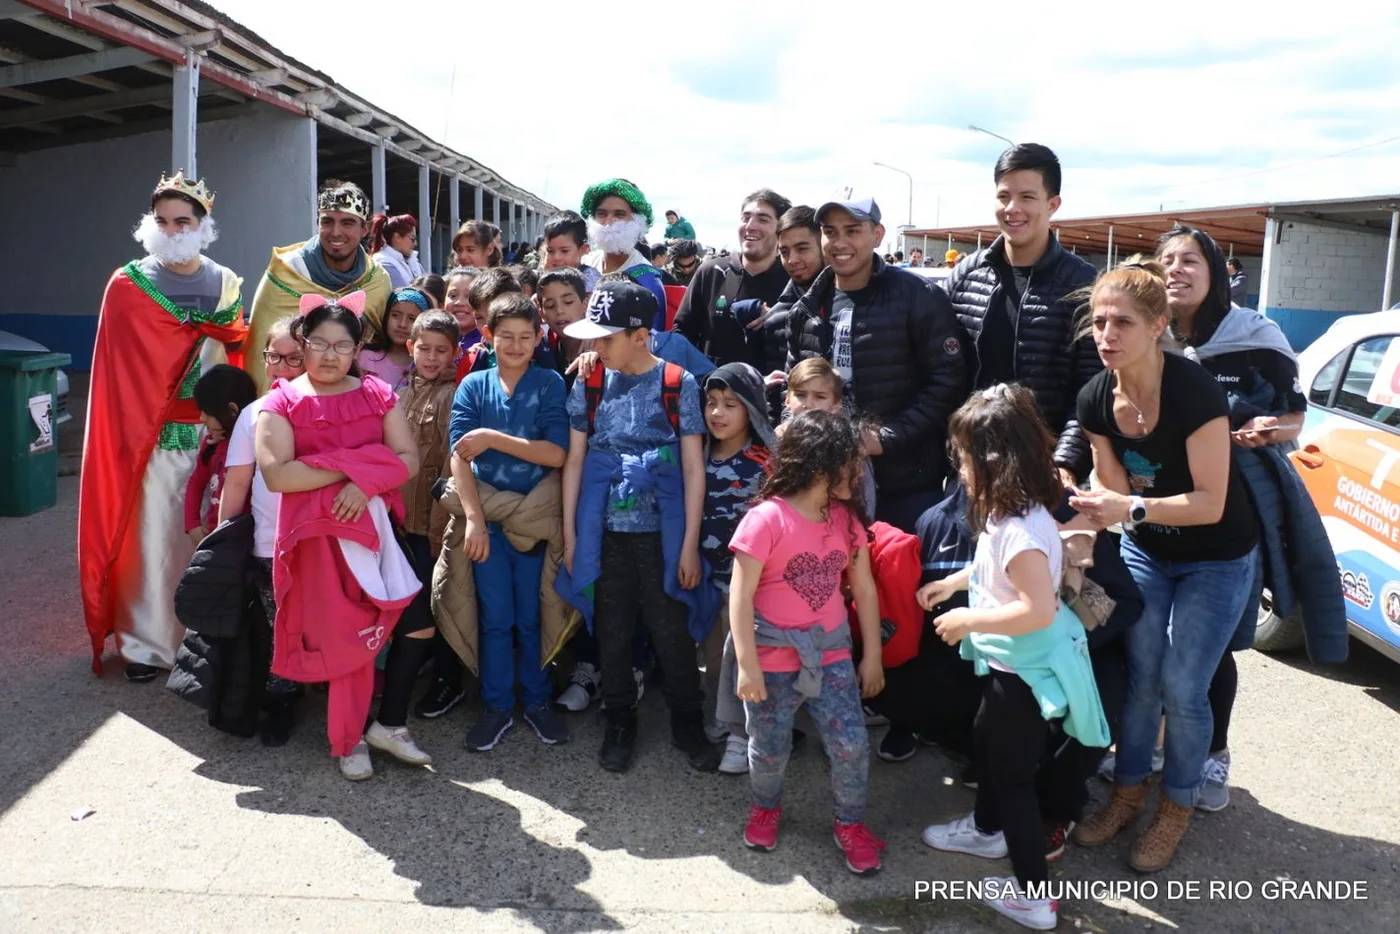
(634, 489)
(509, 428)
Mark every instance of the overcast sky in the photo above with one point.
(1146, 104)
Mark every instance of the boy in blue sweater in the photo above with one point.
(634, 488)
(509, 428)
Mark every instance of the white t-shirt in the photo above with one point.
(241, 453)
(842, 308)
(999, 543)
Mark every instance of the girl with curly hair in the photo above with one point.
(791, 637)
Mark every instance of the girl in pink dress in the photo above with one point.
(338, 450)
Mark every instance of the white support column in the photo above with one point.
(1389, 291)
(479, 203)
(379, 188)
(184, 117)
(1109, 255)
(425, 221)
(496, 209)
(1266, 265)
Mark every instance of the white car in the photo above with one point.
(1349, 459)
(11, 341)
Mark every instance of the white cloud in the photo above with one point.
(1145, 104)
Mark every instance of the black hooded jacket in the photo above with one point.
(223, 661)
(1048, 360)
(908, 370)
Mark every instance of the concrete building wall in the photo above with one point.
(80, 203)
(1318, 274)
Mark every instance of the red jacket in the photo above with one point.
(206, 471)
(897, 565)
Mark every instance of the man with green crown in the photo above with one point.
(619, 216)
(333, 263)
(165, 319)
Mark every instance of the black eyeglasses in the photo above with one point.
(277, 359)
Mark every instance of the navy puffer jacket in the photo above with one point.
(1048, 361)
(908, 369)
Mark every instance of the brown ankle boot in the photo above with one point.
(1122, 809)
(1155, 846)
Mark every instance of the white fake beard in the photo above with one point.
(177, 249)
(617, 237)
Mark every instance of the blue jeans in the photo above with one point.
(1191, 611)
(841, 723)
(508, 592)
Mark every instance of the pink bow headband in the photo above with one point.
(353, 303)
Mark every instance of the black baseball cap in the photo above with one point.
(615, 305)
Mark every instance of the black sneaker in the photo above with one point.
(969, 776)
(277, 725)
(619, 736)
(138, 673)
(547, 724)
(897, 745)
(441, 698)
(688, 735)
(488, 729)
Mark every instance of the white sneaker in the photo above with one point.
(1215, 788)
(396, 742)
(736, 755)
(357, 766)
(1110, 762)
(1038, 914)
(583, 687)
(962, 836)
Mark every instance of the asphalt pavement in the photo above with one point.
(121, 810)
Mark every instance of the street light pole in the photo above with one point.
(911, 188)
(978, 129)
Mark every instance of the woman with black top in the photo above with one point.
(1169, 478)
(1254, 364)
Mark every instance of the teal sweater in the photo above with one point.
(1054, 661)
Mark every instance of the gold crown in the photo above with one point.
(196, 190)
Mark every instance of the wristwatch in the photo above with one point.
(1137, 511)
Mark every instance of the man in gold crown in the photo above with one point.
(333, 263)
(165, 319)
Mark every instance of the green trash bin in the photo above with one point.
(28, 438)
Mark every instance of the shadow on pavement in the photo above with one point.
(1365, 668)
(531, 829)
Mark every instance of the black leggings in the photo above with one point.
(1223, 688)
(1011, 736)
(407, 655)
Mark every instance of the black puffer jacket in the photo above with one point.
(222, 663)
(775, 346)
(1048, 360)
(908, 369)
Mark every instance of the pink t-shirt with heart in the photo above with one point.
(802, 566)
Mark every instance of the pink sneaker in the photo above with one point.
(762, 830)
(862, 848)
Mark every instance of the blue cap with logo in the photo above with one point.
(862, 209)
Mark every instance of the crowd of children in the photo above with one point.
(509, 468)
